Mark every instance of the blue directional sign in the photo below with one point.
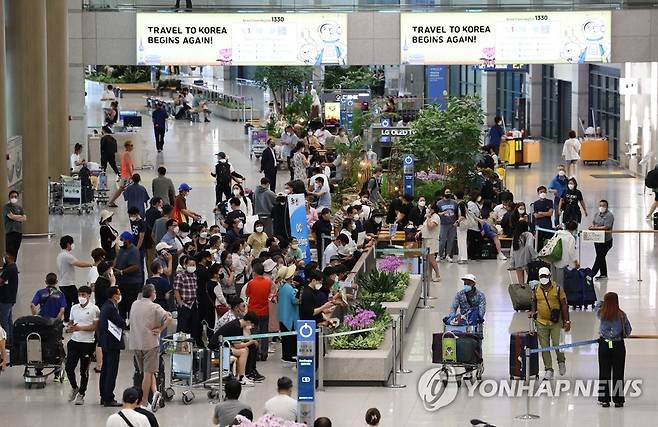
(306, 370)
(408, 172)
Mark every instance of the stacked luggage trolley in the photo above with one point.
(458, 350)
(73, 194)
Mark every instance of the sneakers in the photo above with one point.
(291, 361)
(449, 259)
(548, 375)
(73, 394)
(600, 276)
(604, 404)
(619, 405)
(246, 382)
(112, 404)
(562, 368)
(256, 377)
(501, 257)
(155, 402)
(80, 399)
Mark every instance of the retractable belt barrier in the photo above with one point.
(288, 334)
(562, 346)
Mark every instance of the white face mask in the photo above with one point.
(240, 226)
(421, 204)
(159, 209)
(522, 211)
(364, 200)
(191, 269)
(355, 217)
(236, 192)
(176, 229)
(561, 173)
(318, 286)
(544, 280)
(259, 229)
(134, 218)
(542, 195)
(222, 160)
(602, 209)
(571, 186)
(82, 300)
(286, 191)
(13, 200)
(353, 227)
(378, 220)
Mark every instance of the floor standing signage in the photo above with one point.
(306, 370)
(298, 224)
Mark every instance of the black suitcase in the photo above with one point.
(517, 359)
(533, 269)
(50, 333)
(474, 244)
(488, 250)
(579, 288)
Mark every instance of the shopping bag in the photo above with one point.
(449, 344)
(552, 250)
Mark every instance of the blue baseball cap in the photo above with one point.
(127, 235)
(184, 187)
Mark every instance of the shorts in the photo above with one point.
(148, 360)
(432, 245)
(572, 162)
(488, 231)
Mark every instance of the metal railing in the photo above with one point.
(364, 5)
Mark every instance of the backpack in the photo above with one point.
(651, 179)
(223, 171)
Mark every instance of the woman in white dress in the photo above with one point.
(571, 153)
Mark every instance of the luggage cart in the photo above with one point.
(190, 367)
(73, 197)
(34, 375)
(461, 371)
(102, 192)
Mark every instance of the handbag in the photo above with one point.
(468, 222)
(555, 312)
(552, 250)
(221, 309)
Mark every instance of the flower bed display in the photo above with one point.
(362, 319)
(377, 287)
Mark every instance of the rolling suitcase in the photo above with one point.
(37, 338)
(520, 294)
(488, 250)
(579, 288)
(517, 360)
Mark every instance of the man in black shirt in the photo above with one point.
(374, 224)
(8, 290)
(309, 308)
(234, 212)
(205, 299)
(245, 351)
(398, 210)
(108, 147)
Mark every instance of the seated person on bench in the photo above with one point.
(200, 105)
(489, 231)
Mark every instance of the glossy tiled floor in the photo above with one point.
(188, 156)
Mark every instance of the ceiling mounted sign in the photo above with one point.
(488, 39)
(241, 39)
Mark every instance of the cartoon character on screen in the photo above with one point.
(307, 54)
(331, 50)
(570, 52)
(595, 46)
(225, 56)
(489, 57)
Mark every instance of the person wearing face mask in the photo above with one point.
(245, 202)
(294, 252)
(289, 141)
(513, 217)
(234, 233)
(446, 208)
(341, 214)
(181, 213)
(469, 298)
(66, 264)
(398, 210)
(152, 214)
(374, 224)
(309, 307)
(258, 238)
(557, 187)
(603, 220)
(495, 135)
(348, 229)
(322, 229)
(269, 164)
(571, 202)
(83, 322)
(148, 320)
(14, 217)
(287, 312)
(300, 163)
(474, 203)
(108, 235)
(185, 292)
(224, 174)
(550, 311)
(127, 269)
(542, 214)
(417, 213)
(109, 320)
(321, 192)
(258, 293)
(264, 200)
(430, 234)
(235, 212)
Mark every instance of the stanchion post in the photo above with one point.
(220, 380)
(527, 415)
(428, 282)
(401, 369)
(639, 257)
(321, 358)
(394, 373)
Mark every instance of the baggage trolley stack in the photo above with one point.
(55, 197)
(102, 192)
(38, 345)
(190, 367)
(458, 349)
(74, 197)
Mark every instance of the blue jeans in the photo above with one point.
(7, 322)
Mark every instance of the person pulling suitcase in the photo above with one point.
(550, 311)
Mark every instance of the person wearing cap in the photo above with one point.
(127, 171)
(224, 175)
(163, 187)
(181, 212)
(108, 234)
(159, 117)
(469, 298)
(283, 405)
(127, 416)
(287, 311)
(550, 311)
(258, 293)
(164, 257)
(128, 272)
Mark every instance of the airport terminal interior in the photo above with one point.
(438, 123)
